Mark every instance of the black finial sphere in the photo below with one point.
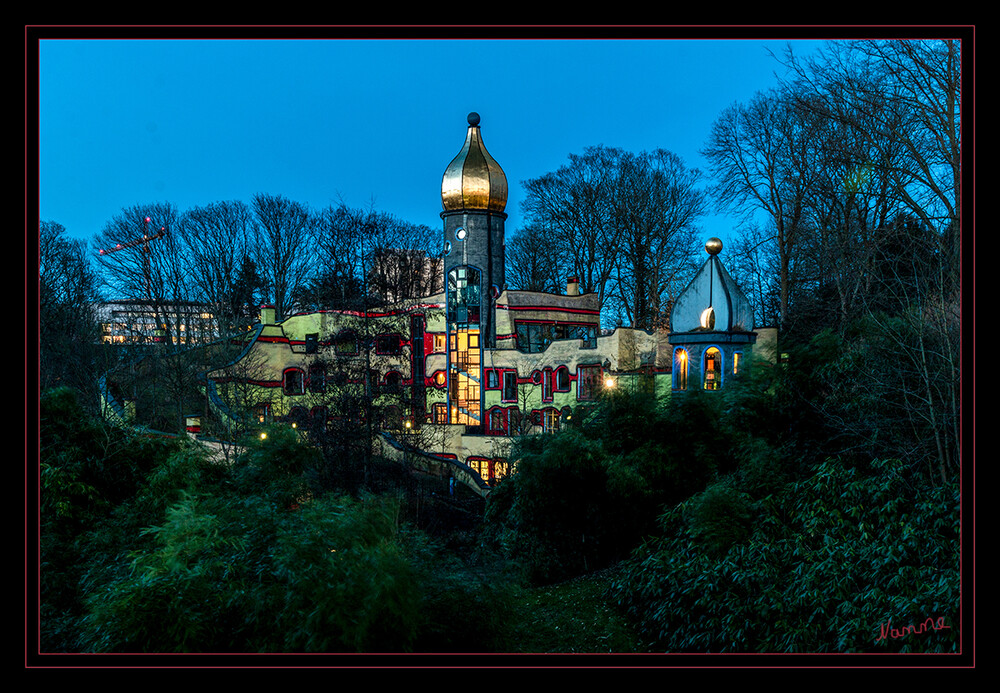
(473, 119)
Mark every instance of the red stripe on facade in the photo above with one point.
(551, 309)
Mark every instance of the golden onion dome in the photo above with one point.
(473, 180)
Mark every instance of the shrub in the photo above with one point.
(569, 508)
(242, 575)
(828, 562)
(718, 517)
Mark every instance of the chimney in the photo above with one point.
(573, 286)
(267, 314)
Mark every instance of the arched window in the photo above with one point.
(497, 421)
(680, 377)
(393, 382)
(297, 415)
(713, 368)
(562, 379)
(293, 381)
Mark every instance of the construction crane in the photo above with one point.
(144, 242)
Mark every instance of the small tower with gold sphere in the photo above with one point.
(711, 327)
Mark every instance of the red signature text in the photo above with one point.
(887, 631)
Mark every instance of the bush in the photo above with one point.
(718, 517)
(242, 576)
(569, 508)
(827, 563)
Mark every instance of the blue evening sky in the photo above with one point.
(194, 121)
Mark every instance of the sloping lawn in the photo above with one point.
(572, 617)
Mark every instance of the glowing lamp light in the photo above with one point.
(263, 435)
(609, 382)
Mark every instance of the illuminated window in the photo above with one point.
(680, 378)
(550, 420)
(440, 410)
(501, 469)
(439, 343)
(262, 413)
(480, 465)
(736, 363)
(713, 369)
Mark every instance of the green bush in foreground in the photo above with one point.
(327, 578)
(833, 563)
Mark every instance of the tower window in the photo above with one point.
(713, 368)
(680, 369)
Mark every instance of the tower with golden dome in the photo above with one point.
(473, 197)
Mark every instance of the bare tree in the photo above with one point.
(762, 157)
(364, 252)
(68, 330)
(657, 204)
(571, 222)
(142, 258)
(531, 263)
(283, 247)
(903, 100)
(614, 218)
(217, 237)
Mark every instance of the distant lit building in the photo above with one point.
(148, 322)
